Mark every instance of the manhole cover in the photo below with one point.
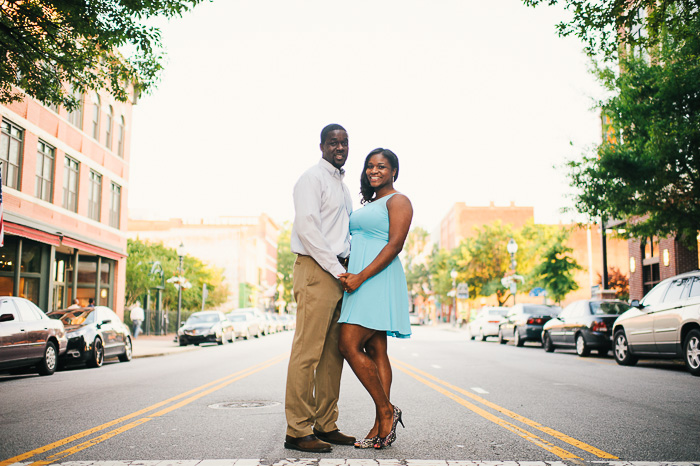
(244, 404)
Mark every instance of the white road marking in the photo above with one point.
(435, 366)
(480, 390)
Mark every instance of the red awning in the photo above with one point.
(56, 240)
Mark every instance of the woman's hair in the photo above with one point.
(366, 190)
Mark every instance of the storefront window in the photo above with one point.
(104, 272)
(29, 288)
(87, 271)
(31, 257)
(8, 255)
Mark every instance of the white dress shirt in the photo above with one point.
(322, 207)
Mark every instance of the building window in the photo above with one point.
(75, 117)
(70, 184)
(650, 248)
(44, 171)
(96, 116)
(120, 137)
(115, 206)
(95, 195)
(108, 127)
(11, 153)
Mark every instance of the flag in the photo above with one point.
(2, 223)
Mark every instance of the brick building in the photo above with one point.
(462, 220)
(65, 179)
(244, 247)
(654, 259)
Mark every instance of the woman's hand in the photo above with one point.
(350, 281)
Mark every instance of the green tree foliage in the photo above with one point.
(142, 256)
(46, 45)
(646, 170)
(285, 261)
(555, 270)
(440, 265)
(416, 263)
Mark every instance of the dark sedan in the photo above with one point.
(524, 322)
(94, 333)
(206, 327)
(584, 325)
(28, 338)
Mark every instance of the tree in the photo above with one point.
(619, 282)
(49, 48)
(646, 170)
(416, 262)
(285, 261)
(555, 271)
(142, 255)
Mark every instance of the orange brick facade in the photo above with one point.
(64, 252)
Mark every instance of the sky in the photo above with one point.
(481, 101)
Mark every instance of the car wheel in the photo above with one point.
(519, 341)
(98, 354)
(257, 335)
(469, 334)
(182, 342)
(231, 337)
(622, 350)
(582, 348)
(247, 334)
(482, 337)
(47, 365)
(692, 351)
(547, 344)
(126, 355)
(222, 340)
(501, 340)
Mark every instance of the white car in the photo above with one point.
(485, 324)
(665, 324)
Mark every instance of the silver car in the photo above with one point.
(665, 324)
(486, 322)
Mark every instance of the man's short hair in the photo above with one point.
(328, 129)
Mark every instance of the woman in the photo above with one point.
(375, 303)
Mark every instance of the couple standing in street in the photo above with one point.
(348, 302)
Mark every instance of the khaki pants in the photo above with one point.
(315, 364)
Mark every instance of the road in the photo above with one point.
(463, 401)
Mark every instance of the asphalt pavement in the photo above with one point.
(146, 346)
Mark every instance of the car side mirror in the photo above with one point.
(635, 303)
(7, 317)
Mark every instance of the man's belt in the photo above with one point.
(344, 261)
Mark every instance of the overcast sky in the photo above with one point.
(480, 100)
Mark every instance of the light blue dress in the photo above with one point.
(380, 303)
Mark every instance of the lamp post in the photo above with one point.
(453, 274)
(181, 256)
(512, 248)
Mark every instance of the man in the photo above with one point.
(75, 305)
(137, 317)
(321, 239)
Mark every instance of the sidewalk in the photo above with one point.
(146, 346)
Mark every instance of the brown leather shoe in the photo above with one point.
(309, 443)
(336, 437)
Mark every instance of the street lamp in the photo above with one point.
(453, 274)
(512, 248)
(181, 256)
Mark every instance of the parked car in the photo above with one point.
(288, 321)
(414, 319)
(28, 337)
(486, 322)
(665, 324)
(205, 327)
(584, 325)
(273, 324)
(524, 322)
(257, 315)
(245, 325)
(94, 334)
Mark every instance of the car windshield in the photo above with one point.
(600, 309)
(542, 310)
(73, 317)
(202, 319)
(236, 317)
(497, 312)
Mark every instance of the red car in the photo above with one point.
(28, 337)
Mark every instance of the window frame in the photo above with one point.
(109, 122)
(96, 116)
(7, 134)
(44, 186)
(115, 211)
(70, 165)
(95, 196)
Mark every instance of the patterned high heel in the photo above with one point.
(389, 439)
(366, 442)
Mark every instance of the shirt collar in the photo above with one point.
(326, 165)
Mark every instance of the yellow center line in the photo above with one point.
(221, 381)
(554, 433)
(561, 453)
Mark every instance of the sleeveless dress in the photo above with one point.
(381, 302)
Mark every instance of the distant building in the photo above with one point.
(244, 247)
(65, 178)
(462, 221)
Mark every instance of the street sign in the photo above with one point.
(463, 291)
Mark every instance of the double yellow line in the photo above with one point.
(184, 399)
(437, 385)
